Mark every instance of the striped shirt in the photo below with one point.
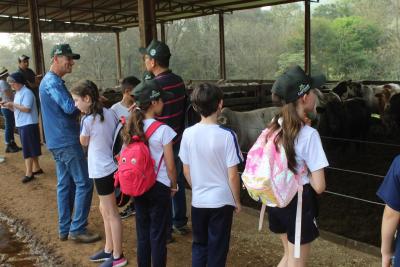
(173, 113)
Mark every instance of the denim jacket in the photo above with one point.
(59, 113)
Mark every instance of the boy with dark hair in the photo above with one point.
(211, 170)
(127, 85)
(122, 110)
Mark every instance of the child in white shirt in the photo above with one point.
(97, 132)
(210, 155)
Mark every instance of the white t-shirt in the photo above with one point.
(101, 133)
(309, 151)
(120, 110)
(161, 137)
(210, 150)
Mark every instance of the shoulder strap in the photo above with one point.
(149, 132)
(152, 128)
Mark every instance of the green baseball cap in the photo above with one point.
(63, 50)
(294, 83)
(156, 50)
(149, 90)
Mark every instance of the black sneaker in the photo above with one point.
(181, 230)
(127, 212)
(27, 178)
(11, 149)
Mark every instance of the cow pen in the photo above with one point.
(349, 207)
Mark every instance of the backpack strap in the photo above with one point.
(152, 128)
(149, 132)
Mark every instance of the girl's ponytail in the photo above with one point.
(135, 125)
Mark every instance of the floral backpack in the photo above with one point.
(269, 180)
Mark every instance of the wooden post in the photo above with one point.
(162, 28)
(307, 37)
(222, 65)
(37, 49)
(147, 21)
(118, 56)
(37, 46)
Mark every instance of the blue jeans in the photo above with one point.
(9, 125)
(152, 215)
(179, 218)
(74, 189)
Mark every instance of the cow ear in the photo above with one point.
(222, 119)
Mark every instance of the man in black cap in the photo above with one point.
(156, 59)
(61, 128)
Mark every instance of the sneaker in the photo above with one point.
(14, 145)
(181, 230)
(127, 212)
(85, 237)
(26, 179)
(11, 149)
(111, 262)
(63, 237)
(100, 256)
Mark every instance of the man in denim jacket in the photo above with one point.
(61, 128)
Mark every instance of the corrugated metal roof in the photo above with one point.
(111, 15)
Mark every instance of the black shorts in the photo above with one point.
(104, 185)
(283, 220)
(30, 140)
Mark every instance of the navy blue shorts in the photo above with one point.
(283, 220)
(30, 140)
(105, 185)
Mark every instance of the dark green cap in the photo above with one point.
(63, 50)
(149, 90)
(156, 50)
(294, 83)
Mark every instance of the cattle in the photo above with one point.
(348, 119)
(376, 97)
(247, 124)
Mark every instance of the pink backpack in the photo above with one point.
(268, 179)
(136, 169)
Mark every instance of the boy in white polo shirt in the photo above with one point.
(210, 155)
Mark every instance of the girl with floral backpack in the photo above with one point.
(285, 167)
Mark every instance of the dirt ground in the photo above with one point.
(34, 204)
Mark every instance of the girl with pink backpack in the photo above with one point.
(153, 204)
(293, 173)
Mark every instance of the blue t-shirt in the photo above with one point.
(389, 192)
(25, 97)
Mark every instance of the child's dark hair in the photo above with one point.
(205, 98)
(129, 82)
(135, 124)
(85, 87)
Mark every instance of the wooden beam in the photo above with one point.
(222, 65)
(147, 21)
(118, 56)
(36, 38)
(162, 28)
(307, 37)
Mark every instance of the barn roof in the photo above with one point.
(111, 15)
